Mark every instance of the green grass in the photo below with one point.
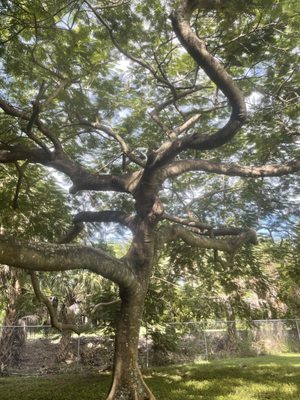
(262, 378)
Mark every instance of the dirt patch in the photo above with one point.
(38, 356)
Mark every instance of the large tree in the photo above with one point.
(136, 102)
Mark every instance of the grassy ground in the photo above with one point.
(262, 378)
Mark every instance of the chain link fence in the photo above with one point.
(175, 343)
(171, 343)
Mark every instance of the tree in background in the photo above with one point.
(283, 261)
(22, 213)
(192, 285)
(134, 107)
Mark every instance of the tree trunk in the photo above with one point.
(66, 335)
(232, 335)
(128, 383)
(12, 337)
(12, 341)
(64, 346)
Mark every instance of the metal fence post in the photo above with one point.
(205, 344)
(78, 349)
(147, 351)
(298, 329)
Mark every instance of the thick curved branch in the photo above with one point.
(36, 108)
(179, 167)
(85, 180)
(202, 229)
(175, 232)
(227, 231)
(73, 232)
(214, 70)
(70, 235)
(81, 178)
(19, 152)
(104, 216)
(217, 73)
(53, 317)
(63, 257)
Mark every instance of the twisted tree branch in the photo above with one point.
(63, 257)
(105, 216)
(53, 317)
(175, 232)
(179, 167)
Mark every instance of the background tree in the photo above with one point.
(37, 211)
(104, 93)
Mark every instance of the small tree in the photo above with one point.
(17, 209)
(119, 63)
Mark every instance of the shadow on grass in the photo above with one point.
(55, 387)
(275, 377)
(263, 378)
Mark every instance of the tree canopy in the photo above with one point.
(178, 122)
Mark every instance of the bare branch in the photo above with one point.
(105, 216)
(74, 231)
(14, 153)
(202, 229)
(63, 257)
(100, 306)
(209, 195)
(216, 72)
(20, 170)
(197, 49)
(124, 146)
(63, 84)
(227, 231)
(81, 178)
(154, 114)
(35, 109)
(179, 167)
(175, 232)
(191, 223)
(53, 317)
(32, 119)
(125, 53)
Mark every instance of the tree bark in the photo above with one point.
(128, 383)
(64, 346)
(12, 337)
(232, 335)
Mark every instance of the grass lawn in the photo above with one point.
(262, 378)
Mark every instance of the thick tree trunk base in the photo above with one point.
(128, 383)
(12, 341)
(130, 387)
(64, 346)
